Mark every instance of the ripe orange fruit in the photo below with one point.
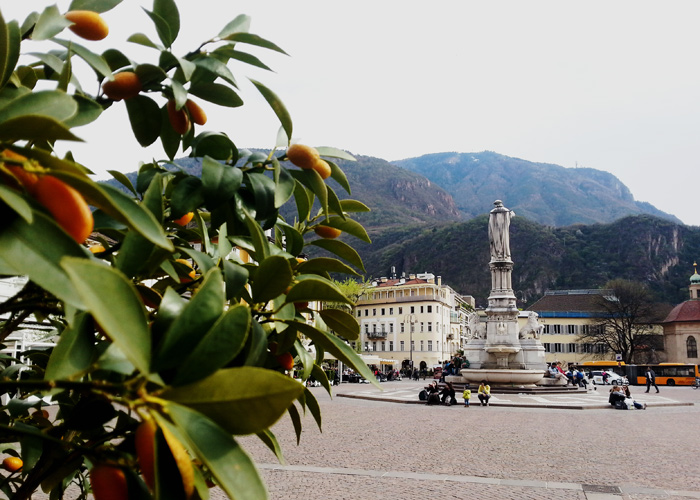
(12, 464)
(26, 179)
(300, 306)
(178, 118)
(40, 414)
(87, 24)
(192, 274)
(323, 168)
(66, 205)
(286, 360)
(303, 156)
(145, 451)
(185, 219)
(108, 483)
(182, 460)
(124, 85)
(197, 114)
(96, 248)
(327, 232)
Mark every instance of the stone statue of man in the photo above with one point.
(499, 236)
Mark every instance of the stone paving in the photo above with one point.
(519, 447)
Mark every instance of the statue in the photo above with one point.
(499, 237)
(532, 329)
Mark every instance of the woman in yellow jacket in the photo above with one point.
(484, 393)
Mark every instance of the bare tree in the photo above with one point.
(626, 317)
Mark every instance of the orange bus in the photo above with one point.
(666, 374)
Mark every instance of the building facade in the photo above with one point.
(682, 326)
(416, 321)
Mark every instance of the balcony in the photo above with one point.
(376, 335)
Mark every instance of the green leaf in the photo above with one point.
(162, 28)
(95, 61)
(219, 182)
(168, 137)
(296, 421)
(294, 240)
(74, 353)
(49, 103)
(167, 10)
(122, 179)
(271, 442)
(99, 6)
(35, 128)
(144, 116)
(187, 195)
(276, 105)
(120, 206)
(339, 176)
(49, 24)
(88, 112)
(215, 67)
(9, 49)
(115, 304)
(311, 288)
(236, 277)
(354, 206)
(241, 24)
(150, 75)
(217, 347)
(257, 236)
(272, 278)
(335, 153)
(198, 316)
(243, 57)
(242, 400)
(16, 202)
(303, 200)
(263, 190)
(319, 375)
(311, 179)
(314, 408)
(141, 39)
(217, 93)
(349, 226)
(325, 265)
(339, 349)
(216, 145)
(116, 59)
(342, 250)
(342, 323)
(253, 40)
(285, 185)
(20, 252)
(232, 468)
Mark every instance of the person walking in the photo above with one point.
(651, 379)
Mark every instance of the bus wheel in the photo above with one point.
(670, 382)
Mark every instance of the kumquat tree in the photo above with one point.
(179, 304)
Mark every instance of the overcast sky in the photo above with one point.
(613, 86)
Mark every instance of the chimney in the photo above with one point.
(439, 280)
(411, 276)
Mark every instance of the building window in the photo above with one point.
(413, 309)
(558, 347)
(374, 312)
(585, 329)
(374, 328)
(400, 310)
(366, 346)
(430, 345)
(374, 346)
(571, 347)
(547, 347)
(413, 345)
(383, 346)
(383, 327)
(421, 326)
(383, 311)
(366, 328)
(692, 347)
(391, 327)
(430, 309)
(571, 329)
(402, 328)
(421, 345)
(557, 329)
(391, 311)
(391, 345)
(545, 329)
(359, 313)
(430, 326)
(366, 312)
(401, 344)
(421, 309)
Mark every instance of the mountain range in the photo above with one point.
(574, 228)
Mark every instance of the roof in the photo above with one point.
(416, 281)
(573, 301)
(687, 311)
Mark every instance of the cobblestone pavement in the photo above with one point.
(380, 449)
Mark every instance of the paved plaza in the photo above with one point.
(568, 446)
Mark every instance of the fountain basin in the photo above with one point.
(503, 376)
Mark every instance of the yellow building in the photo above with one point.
(566, 314)
(415, 321)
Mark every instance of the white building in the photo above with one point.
(416, 321)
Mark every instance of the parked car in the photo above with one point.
(596, 377)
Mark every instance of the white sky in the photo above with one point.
(608, 85)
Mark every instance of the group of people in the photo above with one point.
(447, 395)
(621, 398)
(573, 375)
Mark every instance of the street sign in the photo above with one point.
(618, 357)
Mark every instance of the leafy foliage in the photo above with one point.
(179, 325)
